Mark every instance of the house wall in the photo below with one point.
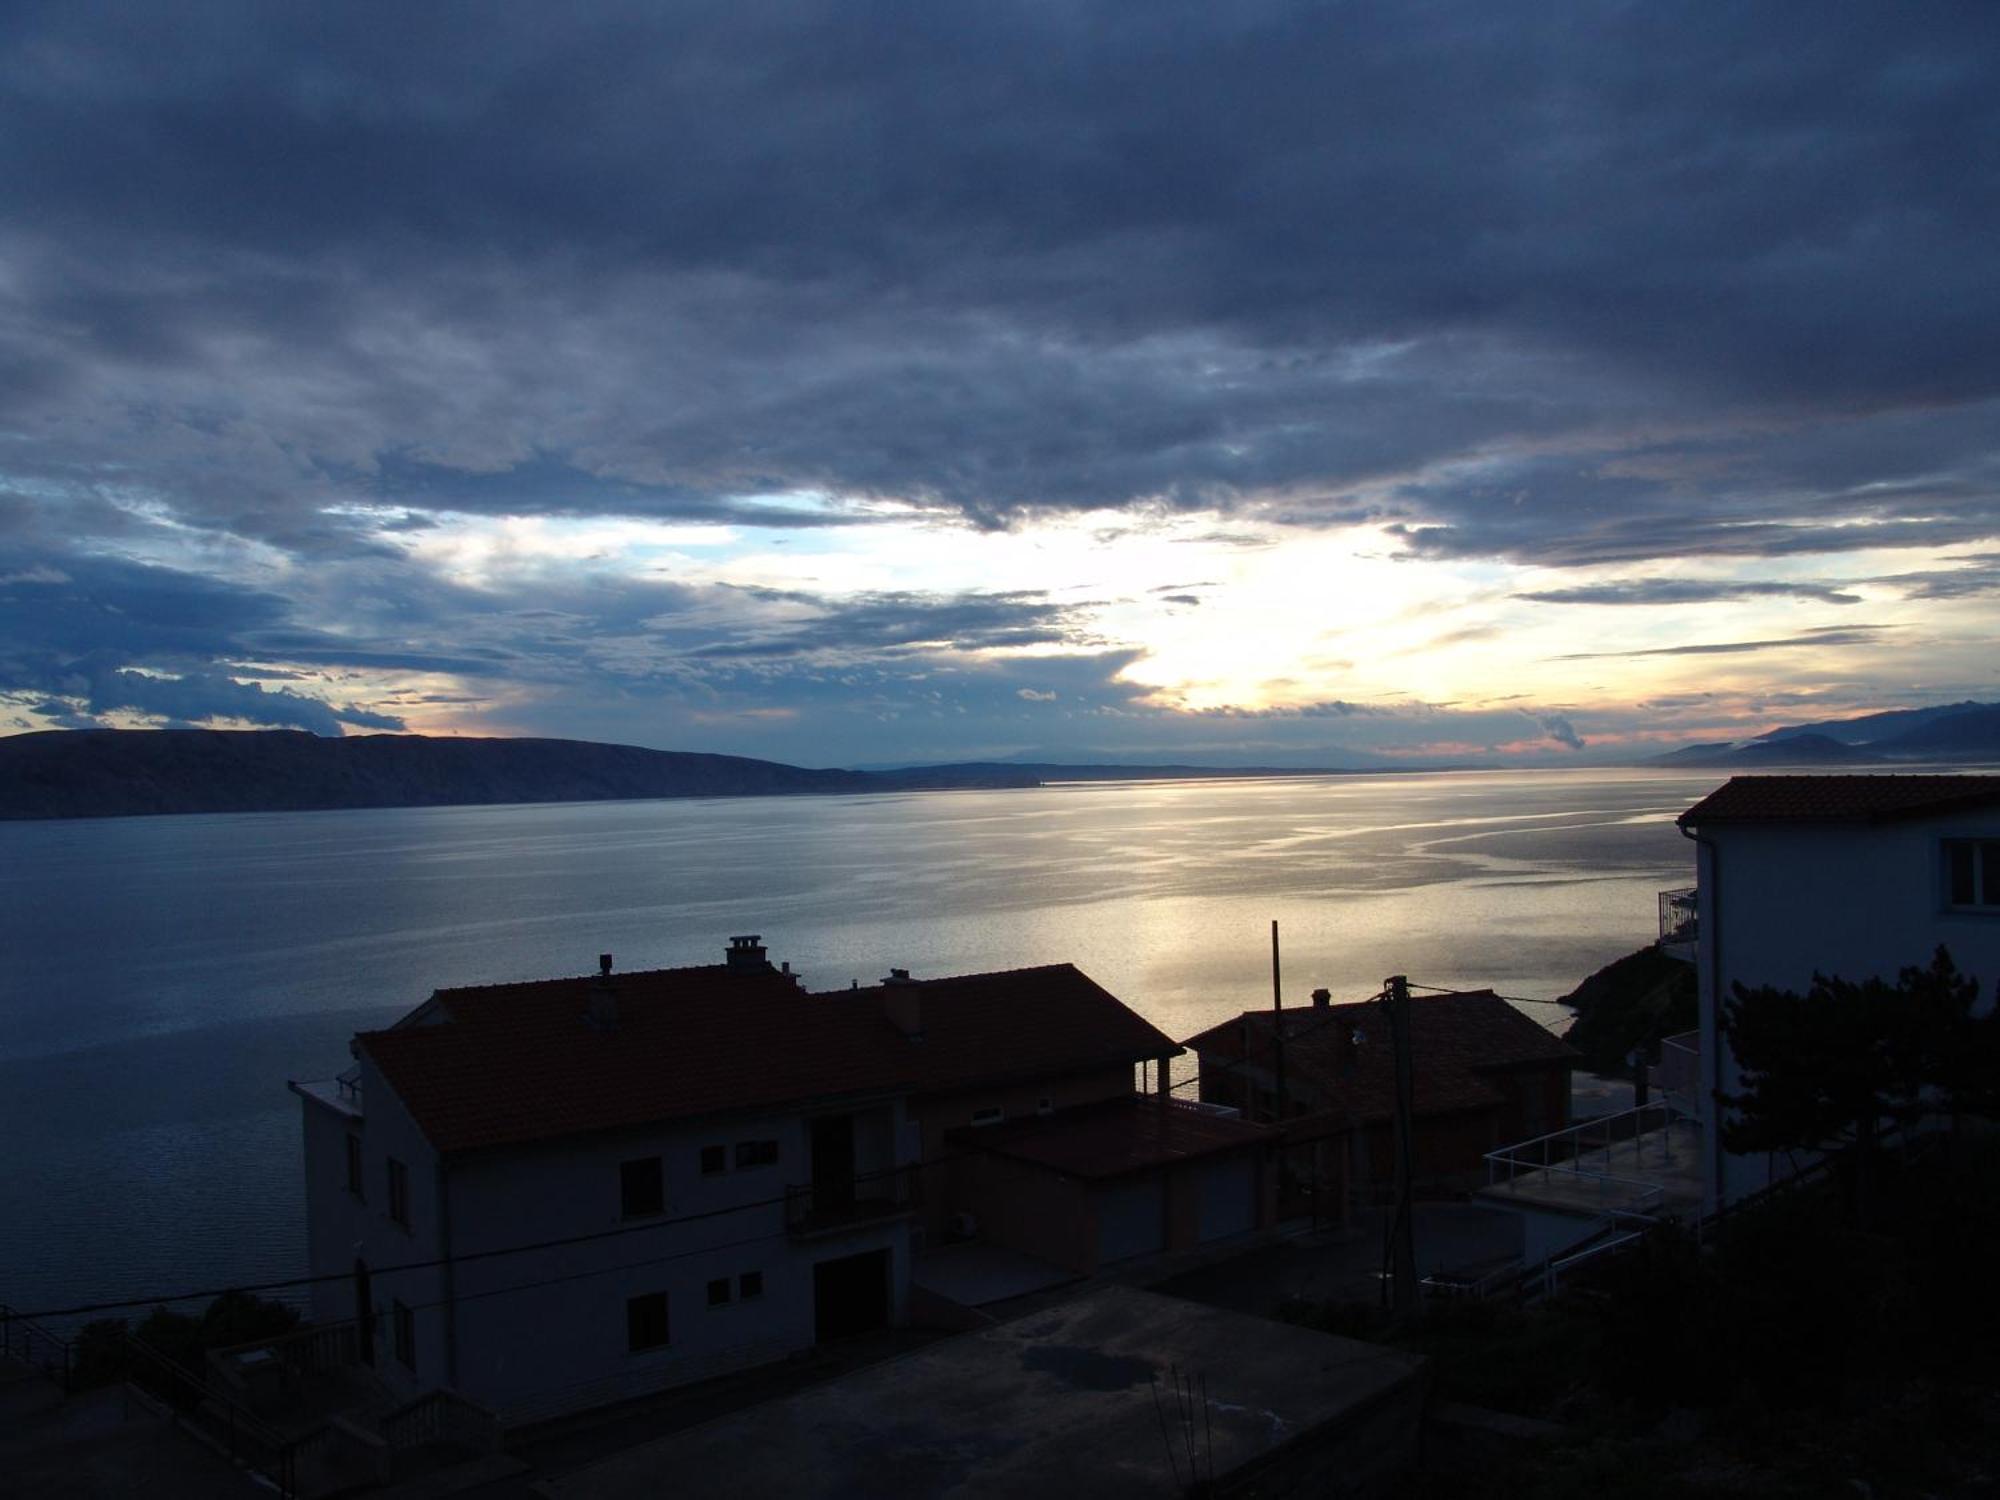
(1536, 1100)
(334, 1216)
(1447, 1153)
(1779, 902)
(946, 1191)
(387, 1132)
(534, 1350)
(543, 1331)
(1032, 1210)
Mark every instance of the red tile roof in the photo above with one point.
(1115, 1137)
(1018, 1024)
(1839, 799)
(505, 1064)
(1456, 1042)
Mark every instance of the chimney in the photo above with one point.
(1322, 999)
(902, 1004)
(603, 1011)
(746, 955)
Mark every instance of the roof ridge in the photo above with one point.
(963, 978)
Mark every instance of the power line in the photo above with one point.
(468, 1258)
(1440, 989)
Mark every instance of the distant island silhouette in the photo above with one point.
(101, 773)
(1952, 732)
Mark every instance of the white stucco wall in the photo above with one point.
(1781, 901)
(542, 1331)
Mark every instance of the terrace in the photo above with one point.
(1680, 928)
(1645, 1160)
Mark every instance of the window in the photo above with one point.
(749, 1285)
(1972, 872)
(718, 1292)
(354, 1177)
(713, 1159)
(756, 1154)
(646, 1322)
(642, 1189)
(399, 1192)
(1045, 1105)
(403, 1324)
(992, 1116)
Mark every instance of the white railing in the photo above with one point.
(1593, 1151)
(1678, 1072)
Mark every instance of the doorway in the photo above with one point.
(850, 1295)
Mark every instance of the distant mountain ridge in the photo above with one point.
(95, 773)
(104, 773)
(1967, 731)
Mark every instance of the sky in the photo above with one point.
(870, 383)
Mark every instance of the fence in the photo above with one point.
(31, 1344)
(192, 1401)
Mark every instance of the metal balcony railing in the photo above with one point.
(1679, 920)
(1611, 1153)
(31, 1344)
(813, 1208)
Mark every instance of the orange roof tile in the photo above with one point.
(505, 1064)
(1019, 1024)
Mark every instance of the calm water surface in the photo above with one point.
(161, 978)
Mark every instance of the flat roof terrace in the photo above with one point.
(1646, 1160)
(1081, 1398)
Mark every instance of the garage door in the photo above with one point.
(1228, 1199)
(1130, 1220)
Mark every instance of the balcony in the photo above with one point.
(836, 1204)
(1679, 923)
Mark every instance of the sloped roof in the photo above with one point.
(1114, 1137)
(497, 1065)
(1018, 1023)
(1457, 1041)
(1839, 799)
(505, 1064)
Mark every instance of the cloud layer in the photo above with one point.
(1655, 308)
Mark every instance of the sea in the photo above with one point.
(162, 978)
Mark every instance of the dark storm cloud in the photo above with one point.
(1976, 575)
(1559, 729)
(872, 624)
(994, 259)
(72, 632)
(1683, 591)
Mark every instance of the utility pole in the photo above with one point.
(1403, 1249)
(1277, 1026)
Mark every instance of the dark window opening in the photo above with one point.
(1972, 872)
(404, 1325)
(850, 1295)
(756, 1154)
(718, 1292)
(992, 1116)
(713, 1159)
(642, 1188)
(399, 1192)
(646, 1322)
(750, 1284)
(354, 1178)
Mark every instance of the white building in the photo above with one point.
(717, 1164)
(1847, 876)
